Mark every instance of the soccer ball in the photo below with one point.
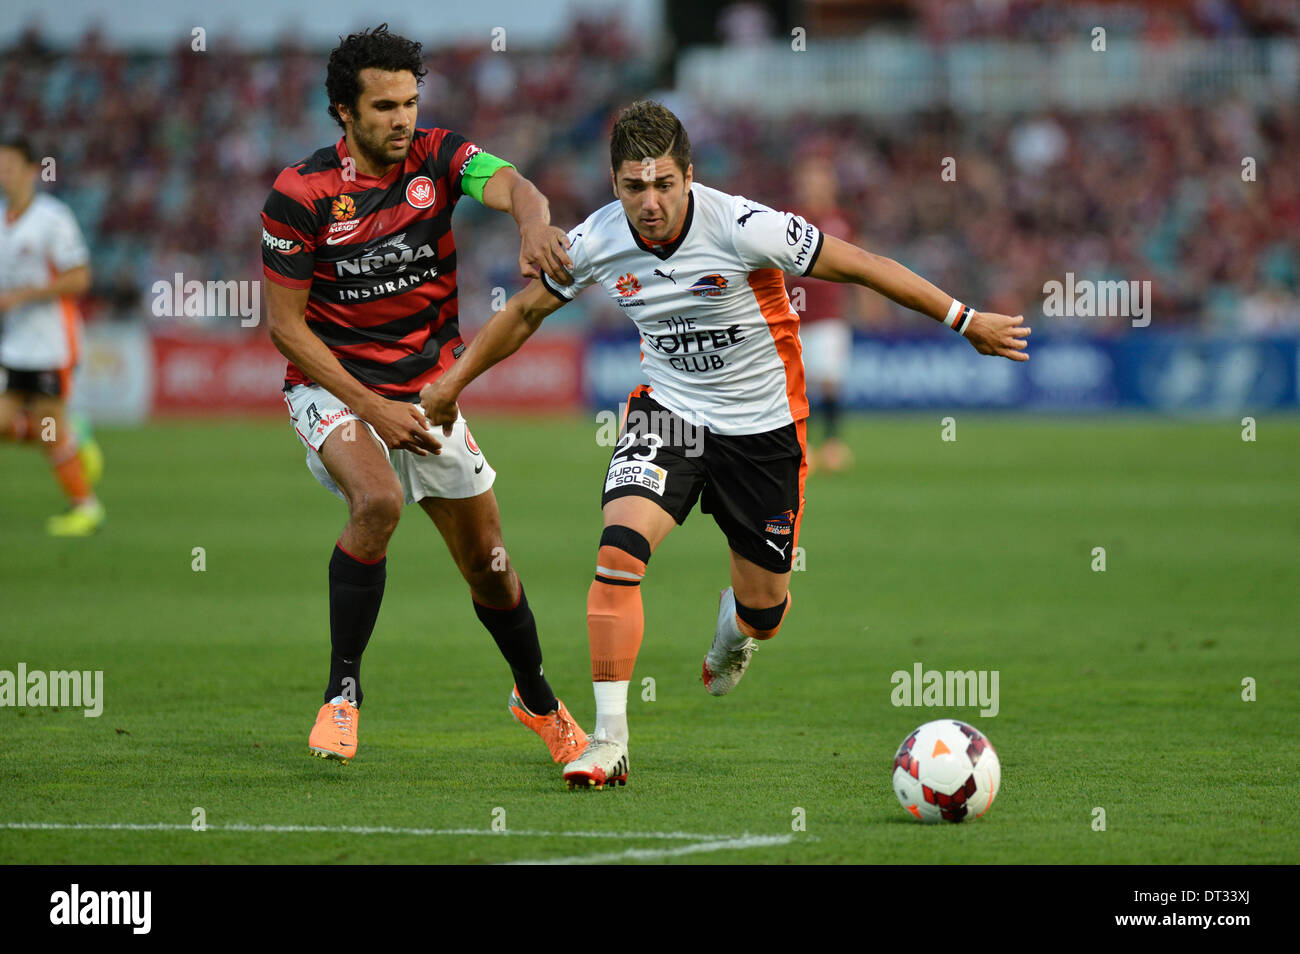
(946, 771)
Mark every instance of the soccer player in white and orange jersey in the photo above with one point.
(722, 417)
(44, 265)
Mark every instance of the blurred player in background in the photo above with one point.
(824, 329)
(723, 418)
(44, 266)
(358, 249)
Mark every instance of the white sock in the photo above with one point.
(732, 637)
(611, 709)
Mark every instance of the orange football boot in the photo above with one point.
(562, 735)
(334, 736)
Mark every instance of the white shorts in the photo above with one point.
(827, 350)
(459, 471)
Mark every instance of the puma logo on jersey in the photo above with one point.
(780, 550)
(669, 276)
(748, 212)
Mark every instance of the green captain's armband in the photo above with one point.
(479, 168)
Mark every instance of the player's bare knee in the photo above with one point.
(488, 569)
(377, 512)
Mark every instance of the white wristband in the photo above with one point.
(964, 320)
(953, 309)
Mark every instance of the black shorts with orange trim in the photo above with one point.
(752, 484)
(47, 383)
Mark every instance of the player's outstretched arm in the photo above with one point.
(398, 423)
(72, 281)
(503, 335)
(542, 245)
(989, 333)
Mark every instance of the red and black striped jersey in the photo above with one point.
(378, 255)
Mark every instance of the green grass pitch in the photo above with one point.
(1120, 690)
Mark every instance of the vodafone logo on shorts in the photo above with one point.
(420, 192)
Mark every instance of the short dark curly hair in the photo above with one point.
(648, 129)
(370, 49)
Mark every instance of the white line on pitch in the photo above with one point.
(646, 854)
(367, 830)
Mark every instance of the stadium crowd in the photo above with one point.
(167, 158)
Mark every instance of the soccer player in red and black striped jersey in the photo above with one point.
(361, 265)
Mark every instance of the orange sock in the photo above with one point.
(615, 619)
(66, 463)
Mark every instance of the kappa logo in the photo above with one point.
(420, 192)
(710, 286)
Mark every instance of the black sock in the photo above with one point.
(831, 415)
(515, 632)
(356, 590)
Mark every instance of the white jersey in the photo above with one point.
(44, 240)
(719, 339)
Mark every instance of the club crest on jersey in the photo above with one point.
(782, 525)
(627, 285)
(343, 208)
(710, 286)
(420, 192)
